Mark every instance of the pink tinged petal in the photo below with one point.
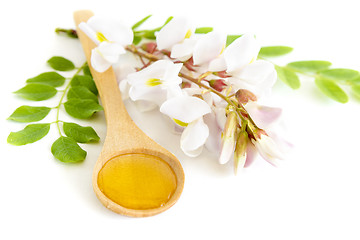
(218, 64)
(172, 33)
(112, 30)
(213, 142)
(185, 108)
(194, 137)
(264, 116)
(183, 51)
(251, 154)
(208, 48)
(98, 62)
(268, 149)
(89, 32)
(241, 52)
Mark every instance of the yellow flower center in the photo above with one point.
(101, 37)
(188, 34)
(152, 82)
(180, 123)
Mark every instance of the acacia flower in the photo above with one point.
(267, 148)
(239, 61)
(111, 38)
(177, 36)
(188, 112)
(155, 83)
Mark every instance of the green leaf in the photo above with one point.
(81, 92)
(86, 70)
(79, 133)
(36, 92)
(67, 150)
(31, 133)
(139, 23)
(309, 66)
(204, 30)
(82, 108)
(274, 51)
(340, 74)
(231, 38)
(288, 76)
(356, 90)
(137, 39)
(85, 81)
(331, 89)
(49, 78)
(61, 64)
(29, 114)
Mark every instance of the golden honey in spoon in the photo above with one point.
(137, 181)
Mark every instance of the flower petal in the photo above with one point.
(98, 62)
(241, 52)
(194, 137)
(208, 47)
(185, 108)
(218, 64)
(184, 50)
(268, 149)
(172, 33)
(264, 116)
(110, 51)
(111, 29)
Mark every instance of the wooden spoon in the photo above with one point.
(123, 136)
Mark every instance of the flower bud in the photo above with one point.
(217, 84)
(149, 47)
(222, 74)
(244, 96)
(228, 137)
(240, 151)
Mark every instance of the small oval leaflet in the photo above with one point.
(49, 78)
(82, 108)
(340, 74)
(288, 76)
(29, 114)
(274, 51)
(331, 89)
(79, 133)
(81, 92)
(61, 64)
(31, 133)
(66, 149)
(37, 92)
(85, 81)
(309, 66)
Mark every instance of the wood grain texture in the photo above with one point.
(122, 136)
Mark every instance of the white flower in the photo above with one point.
(267, 148)
(209, 47)
(111, 38)
(177, 36)
(188, 112)
(239, 60)
(155, 83)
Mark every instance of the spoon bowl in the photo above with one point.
(123, 137)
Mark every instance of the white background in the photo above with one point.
(313, 194)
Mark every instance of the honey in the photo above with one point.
(137, 181)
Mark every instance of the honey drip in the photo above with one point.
(137, 181)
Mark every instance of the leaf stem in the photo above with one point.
(63, 96)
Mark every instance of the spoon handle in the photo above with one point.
(121, 130)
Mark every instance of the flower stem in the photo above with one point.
(239, 108)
